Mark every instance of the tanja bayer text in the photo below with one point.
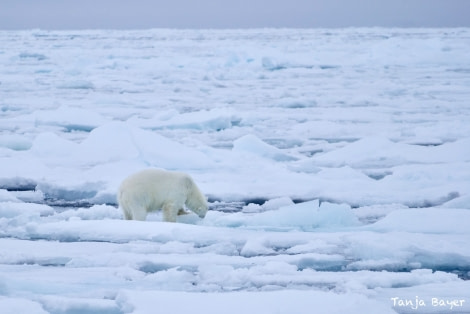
(416, 303)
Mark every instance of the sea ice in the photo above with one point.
(336, 166)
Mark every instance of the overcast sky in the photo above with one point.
(123, 14)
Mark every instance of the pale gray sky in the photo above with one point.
(123, 14)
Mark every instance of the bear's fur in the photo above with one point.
(152, 189)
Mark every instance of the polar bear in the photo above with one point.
(152, 189)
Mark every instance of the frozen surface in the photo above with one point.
(336, 162)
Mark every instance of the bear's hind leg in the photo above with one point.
(136, 212)
(140, 215)
(127, 215)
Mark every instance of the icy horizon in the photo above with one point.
(118, 14)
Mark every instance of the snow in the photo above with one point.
(336, 162)
(259, 302)
(253, 145)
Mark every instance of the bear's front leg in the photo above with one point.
(169, 212)
(182, 212)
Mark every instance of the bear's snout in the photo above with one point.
(201, 212)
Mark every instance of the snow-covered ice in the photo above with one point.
(336, 162)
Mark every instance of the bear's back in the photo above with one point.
(156, 182)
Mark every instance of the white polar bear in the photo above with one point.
(153, 189)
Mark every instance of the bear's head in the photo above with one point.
(201, 210)
(197, 202)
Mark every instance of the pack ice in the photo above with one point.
(336, 162)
